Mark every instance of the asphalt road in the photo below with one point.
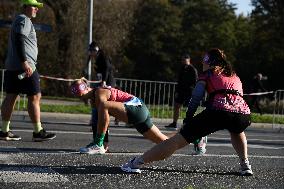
(57, 163)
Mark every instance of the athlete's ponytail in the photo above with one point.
(217, 57)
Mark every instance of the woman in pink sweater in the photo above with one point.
(226, 109)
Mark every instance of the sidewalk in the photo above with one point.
(83, 119)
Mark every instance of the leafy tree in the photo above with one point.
(165, 30)
(8, 11)
(112, 25)
(268, 43)
(63, 52)
(145, 38)
(154, 42)
(208, 24)
(242, 56)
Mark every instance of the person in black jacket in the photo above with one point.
(104, 73)
(257, 86)
(187, 78)
(103, 66)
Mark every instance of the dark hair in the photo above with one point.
(217, 57)
(185, 56)
(93, 45)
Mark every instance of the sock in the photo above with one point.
(106, 136)
(197, 141)
(37, 127)
(99, 140)
(242, 161)
(5, 126)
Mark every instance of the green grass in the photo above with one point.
(62, 98)
(267, 118)
(78, 109)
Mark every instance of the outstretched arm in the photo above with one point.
(196, 97)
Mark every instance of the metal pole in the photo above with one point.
(2, 86)
(90, 37)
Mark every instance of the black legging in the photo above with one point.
(94, 125)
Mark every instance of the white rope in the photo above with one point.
(63, 79)
(257, 94)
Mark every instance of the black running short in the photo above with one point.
(183, 97)
(29, 85)
(210, 121)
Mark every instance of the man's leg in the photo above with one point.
(34, 107)
(6, 112)
(39, 133)
(258, 106)
(176, 113)
(8, 106)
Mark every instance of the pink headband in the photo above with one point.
(206, 59)
(78, 88)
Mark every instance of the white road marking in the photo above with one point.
(135, 133)
(140, 153)
(205, 155)
(11, 171)
(255, 146)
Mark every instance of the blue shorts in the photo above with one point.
(29, 86)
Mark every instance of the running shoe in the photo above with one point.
(245, 168)
(116, 122)
(9, 136)
(172, 126)
(129, 167)
(200, 146)
(92, 148)
(43, 136)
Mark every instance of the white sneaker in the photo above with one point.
(245, 168)
(200, 146)
(92, 149)
(129, 167)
